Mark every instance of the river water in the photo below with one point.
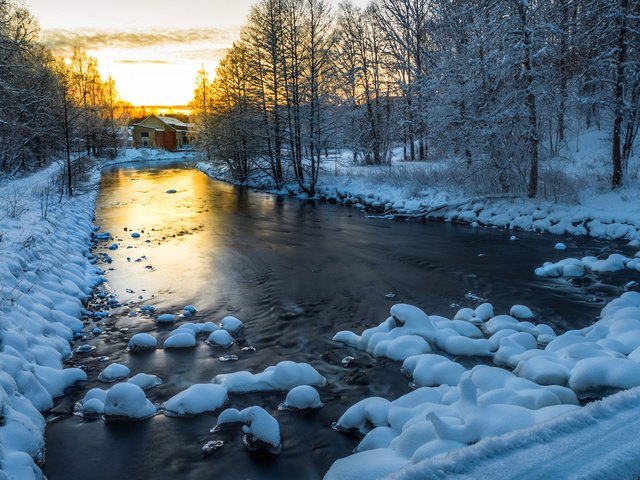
(295, 272)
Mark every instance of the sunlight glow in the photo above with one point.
(152, 48)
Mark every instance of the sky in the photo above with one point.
(152, 48)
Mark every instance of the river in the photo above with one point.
(295, 272)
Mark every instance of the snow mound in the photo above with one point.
(573, 267)
(166, 318)
(145, 381)
(181, 339)
(220, 338)
(283, 376)
(231, 324)
(113, 373)
(262, 431)
(126, 401)
(196, 399)
(301, 398)
(142, 341)
(92, 405)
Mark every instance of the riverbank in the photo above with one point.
(581, 204)
(46, 275)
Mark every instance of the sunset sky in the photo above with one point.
(152, 48)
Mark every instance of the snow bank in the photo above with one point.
(597, 441)
(452, 408)
(45, 275)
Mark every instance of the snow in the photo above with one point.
(453, 407)
(181, 339)
(302, 397)
(262, 431)
(220, 338)
(573, 267)
(196, 399)
(142, 341)
(190, 308)
(45, 275)
(92, 405)
(597, 441)
(114, 372)
(283, 376)
(231, 324)
(127, 401)
(397, 190)
(521, 312)
(166, 318)
(145, 381)
(431, 369)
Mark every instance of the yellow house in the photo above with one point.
(161, 132)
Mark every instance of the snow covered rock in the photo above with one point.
(521, 312)
(180, 340)
(196, 399)
(231, 324)
(142, 341)
(283, 376)
(301, 398)
(431, 369)
(166, 318)
(145, 381)
(220, 338)
(126, 401)
(261, 430)
(113, 373)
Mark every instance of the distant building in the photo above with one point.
(161, 132)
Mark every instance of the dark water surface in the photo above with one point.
(295, 272)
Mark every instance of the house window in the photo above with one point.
(144, 134)
(185, 140)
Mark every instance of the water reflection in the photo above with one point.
(179, 232)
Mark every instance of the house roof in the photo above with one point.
(174, 122)
(169, 121)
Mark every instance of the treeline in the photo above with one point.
(492, 86)
(51, 108)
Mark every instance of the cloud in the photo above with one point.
(130, 61)
(62, 41)
(202, 53)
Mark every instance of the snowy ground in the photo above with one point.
(48, 272)
(599, 441)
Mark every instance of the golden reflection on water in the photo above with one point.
(179, 233)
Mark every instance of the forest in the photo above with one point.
(493, 88)
(52, 108)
